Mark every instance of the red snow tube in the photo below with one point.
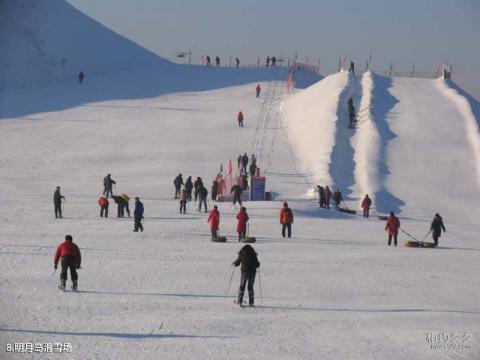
(421, 244)
(412, 243)
(221, 239)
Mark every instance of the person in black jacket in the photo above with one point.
(237, 194)
(196, 185)
(247, 257)
(215, 187)
(436, 228)
(178, 182)
(188, 188)
(321, 196)
(337, 197)
(202, 198)
(57, 202)
(108, 183)
(138, 215)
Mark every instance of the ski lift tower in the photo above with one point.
(183, 55)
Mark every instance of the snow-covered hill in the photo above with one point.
(415, 148)
(335, 290)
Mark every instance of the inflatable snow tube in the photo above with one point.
(248, 240)
(220, 239)
(412, 243)
(346, 211)
(382, 217)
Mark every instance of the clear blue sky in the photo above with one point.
(401, 32)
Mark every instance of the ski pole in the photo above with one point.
(54, 271)
(260, 285)
(230, 282)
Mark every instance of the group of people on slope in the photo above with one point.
(121, 200)
(325, 196)
(286, 220)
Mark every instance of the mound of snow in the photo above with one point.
(45, 40)
(311, 117)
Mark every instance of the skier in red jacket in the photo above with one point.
(69, 255)
(214, 220)
(392, 226)
(242, 218)
(366, 203)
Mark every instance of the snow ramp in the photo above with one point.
(428, 152)
(311, 118)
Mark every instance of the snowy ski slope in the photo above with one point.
(333, 291)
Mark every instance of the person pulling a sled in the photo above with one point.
(214, 220)
(242, 218)
(70, 257)
(436, 228)
(247, 258)
(392, 226)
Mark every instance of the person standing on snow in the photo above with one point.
(215, 188)
(267, 61)
(244, 163)
(214, 220)
(183, 201)
(242, 218)
(253, 169)
(108, 183)
(178, 182)
(366, 203)
(274, 61)
(196, 185)
(70, 257)
(436, 228)
(286, 219)
(202, 197)
(81, 76)
(352, 68)
(337, 198)
(392, 226)
(208, 61)
(103, 202)
(189, 188)
(237, 194)
(328, 196)
(57, 202)
(240, 119)
(321, 196)
(237, 61)
(217, 61)
(258, 89)
(247, 258)
(138, 215)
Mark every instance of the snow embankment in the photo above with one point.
(311, 118)
(367, 142)
(471, 124)
(40, 42)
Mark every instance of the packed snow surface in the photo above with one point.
(335, 290)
